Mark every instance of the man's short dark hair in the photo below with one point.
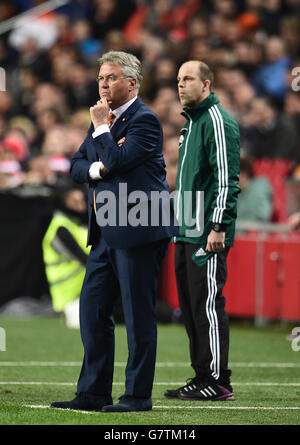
(206, 74)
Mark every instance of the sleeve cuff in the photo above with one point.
(94, 171)
(100, 130)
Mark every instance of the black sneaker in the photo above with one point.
(206, 392)
(174, 393)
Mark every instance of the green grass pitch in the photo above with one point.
(42, 360)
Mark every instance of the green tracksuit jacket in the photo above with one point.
(207, 184)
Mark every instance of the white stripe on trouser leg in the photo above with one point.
(212, 316)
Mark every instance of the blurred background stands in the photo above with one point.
(50, 64)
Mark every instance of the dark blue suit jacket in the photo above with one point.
(136, 166)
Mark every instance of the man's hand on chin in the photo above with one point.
(99, 112)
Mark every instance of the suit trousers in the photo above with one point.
(133, 274)
(203, 311)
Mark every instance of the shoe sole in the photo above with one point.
(126, 410)
(77, 409)
(169, 396)
(199, 399)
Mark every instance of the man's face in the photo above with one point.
(261, 113)
(75, 201)
(191, 89)
(114, 86)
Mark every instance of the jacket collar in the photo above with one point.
(194, 112)
(126, 114)
(120, 110)
(132, 109)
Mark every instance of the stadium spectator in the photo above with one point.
(248, 55)
(65, 253)
(25, 127)
(290, 34)
(255, 199)
(15, 145)
(109, 14)
(46, 120)
(163, 102)
(62, 62)
(30, 55)
(39, 171)
(88, 47)
(294, 221)
(270, 16)
(81, 88)
(114, 41)
(11, 174)
(163, 74)
(6, 103)
(25, 82)
(170, 150)
(197, 27)
(271, 134)
(65, 37)
(269, 79)
(48, 95)
(292, 107)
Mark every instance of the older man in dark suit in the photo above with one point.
(123, 163)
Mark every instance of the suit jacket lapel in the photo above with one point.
(123, 119)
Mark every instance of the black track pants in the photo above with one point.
(203, 310)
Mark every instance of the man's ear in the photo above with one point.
(206, 84)
(132, 83)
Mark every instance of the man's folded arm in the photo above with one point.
(80, 165)
(142, 140)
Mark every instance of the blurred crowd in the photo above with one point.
(50, 65)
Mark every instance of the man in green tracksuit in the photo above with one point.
(206, 206)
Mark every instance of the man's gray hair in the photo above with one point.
(132, 67)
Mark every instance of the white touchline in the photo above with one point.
(39, 363)
(155, 383)
(174, 407)
(73, 410)
(230, 407)
(158, 364)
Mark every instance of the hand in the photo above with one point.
(33, 177)
(103, 170)
(294, 221)
(99, 112)
(121, 141)
(215, 241)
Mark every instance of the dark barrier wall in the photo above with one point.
(24, 218)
